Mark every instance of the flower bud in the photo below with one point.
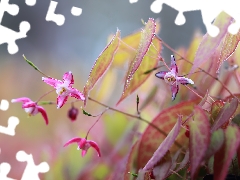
(72, 113)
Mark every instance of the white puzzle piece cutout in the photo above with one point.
(76, 11)
(59, 19)
(7, 35)
(4, 170)
(133, 1)
(31, 171)
(4, 105)
(30, 2)
(209, 9)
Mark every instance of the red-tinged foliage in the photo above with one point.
(101, 64)
(225, 114)
(187, 133)
(164, 146)
(209, 44)
(215, 109)
(166, 119)
(216, 142)
(149, 62)
(223, 157)
(230, 44)
(131, 161)
(147, 36)
(184, 161)
(199, 139)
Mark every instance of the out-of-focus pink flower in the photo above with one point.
(84, 144)
(31, 107)
(64, 88)
(172, 78)
(72, 113)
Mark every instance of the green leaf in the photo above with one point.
(86, 113)
(199, 129)
(223, 157)
(30, 63)
(102, 64)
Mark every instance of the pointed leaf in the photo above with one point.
(199, 129)
(225, 114)
(146, 39)
(101, 64)
(209, 44)
(184, 161)
(148, 63)
(216, 143)
(223, 157)
(215, 109)
(164, 146)
(230, 44)
(165, 120)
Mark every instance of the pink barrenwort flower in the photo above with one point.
(31, 107)
(172, 78)
(84, 144)
(64, 88)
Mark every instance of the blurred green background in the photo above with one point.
(74, 47)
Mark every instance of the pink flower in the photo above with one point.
(172, 78)
(64, 88)
(84, 145)
(31, 107)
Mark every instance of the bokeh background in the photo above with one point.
(74, 47)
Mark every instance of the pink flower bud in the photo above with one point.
(72, 113)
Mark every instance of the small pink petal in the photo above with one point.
(22, 99)
(184, 80)
(73, 140)
(174, 68)
(174, 89)
(51, 81)
(43, 112)
(77, 94)
(84, 152)
(95, 146)
(61, 100)
(161, 74)
(68, 77)
(29, 104)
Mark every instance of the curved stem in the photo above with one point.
(44, 95)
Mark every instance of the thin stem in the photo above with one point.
(224, 86)
(176, 173)
(96, 122)
(134, 116)
(44, 95)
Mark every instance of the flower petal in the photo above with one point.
(22, 99)
(61, 100)
(161, 74)
(76, 93)
(95, 146)
(68, 77)
(184, 80)
(84, 152)
(29, 104)
(43, 112)
(73, 140)
(174, 68)
(51, 81)
(174, 89)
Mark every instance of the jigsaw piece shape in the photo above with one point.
(7, 35)
(209, 9)
(76, 11)
(10, 129)
(4, 105)
(59, 19)
(133, 1)
(30, 2)
(31, 171)
(4, 170)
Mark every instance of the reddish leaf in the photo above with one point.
(165, 120)
(199, 129)
(209, 44)
(216, 143)
(225, 114)
(164, 146)
(184, 161)
(149, 61)
(229, 46)
(146, 39)
(131, 161)
(215, 109)
(101, 64)
(223, 157)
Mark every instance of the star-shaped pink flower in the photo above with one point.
(31, 107)
(64, 88)
(172, 78)
(84, 144)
